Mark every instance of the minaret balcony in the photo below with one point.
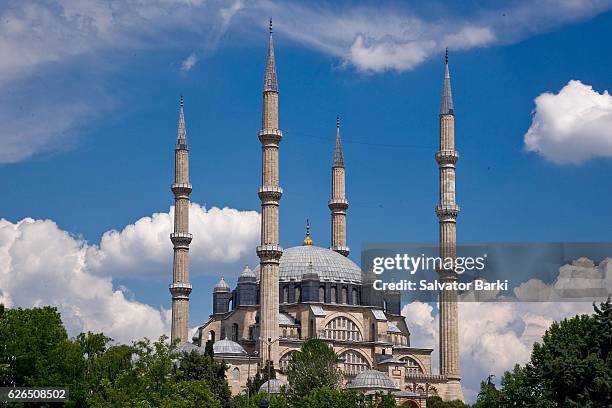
(270, 136)
(342, 250)
(338, 204)
(270, 194)
(447, 212)
(447, 157)
(180, 290)
(181, 189)
(269, 252)
(181, 239)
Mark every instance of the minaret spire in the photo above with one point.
(269, 251)
(270, 81)
(447, 211)
(338, 203)
(181, 238)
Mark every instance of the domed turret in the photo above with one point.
(222, 286)
(246, 290)
(221, 297)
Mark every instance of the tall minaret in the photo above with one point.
(447, 212)
(181, 238)
(338, 203)
(269, 251)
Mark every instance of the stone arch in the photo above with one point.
(420, 390)
(349, 316)
(211, 336)
(411, 404)
(283, 362)
(413, 364)
(432, 391)
(363, 354)
(354, 362)
(342, 328)
(236, 374)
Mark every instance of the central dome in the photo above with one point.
(329, 265)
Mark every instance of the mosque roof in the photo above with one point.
(275, 386)
(189, 347)
(372, 379)
(327, 264)
(227, 346)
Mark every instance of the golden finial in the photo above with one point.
(307, 240)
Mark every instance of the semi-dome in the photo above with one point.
(276, 384)
(227, 346)
(327, 264)
(372, 380)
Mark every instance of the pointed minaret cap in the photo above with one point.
(307, 240)
(446, 104)
(270, 82)
(181, 134)
(338, 156)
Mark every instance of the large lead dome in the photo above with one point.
(329, 265)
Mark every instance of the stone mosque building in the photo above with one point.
(310, 291)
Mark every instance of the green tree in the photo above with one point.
(261, 376)
(437, 402)
(194, 366)
(489, 396)
(315, 365)
(326, 397)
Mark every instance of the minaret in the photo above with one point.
(447, 212)
(181, 238)
(338, 203)
(269, 251)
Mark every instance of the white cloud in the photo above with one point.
(40, 264)
(221, 237)
(494, 336)
(571, 126)
(52, 39)
(189, 62)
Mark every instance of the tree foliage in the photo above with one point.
(315, 365)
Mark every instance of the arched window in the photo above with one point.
(344, 295)
(211, 336)
(298, 294)
(250, 332)
(285, 294)
(322, 294)
(353, 362)
(236, 374)
(412, 366)
(285, 333)
(311, 331)
(373, 332)
(355, 297)
(342, 328)
(284, 360)
(235, 332)
(334, 294)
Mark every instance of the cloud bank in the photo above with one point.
(40, 264)
(571, 126)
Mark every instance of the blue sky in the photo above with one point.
(90, 114)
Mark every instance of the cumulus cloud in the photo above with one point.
(40, 264)
(221, 237)
(189, 62)
(571, 126)
(494, 336)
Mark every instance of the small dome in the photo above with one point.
(372, 379)
(189, 347)
(247, 274)
(226, 346)
(222, 286)
(276, 384)
(329, 265)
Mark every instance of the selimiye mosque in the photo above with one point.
(310, 291)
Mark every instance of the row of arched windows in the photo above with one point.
(342, 328)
